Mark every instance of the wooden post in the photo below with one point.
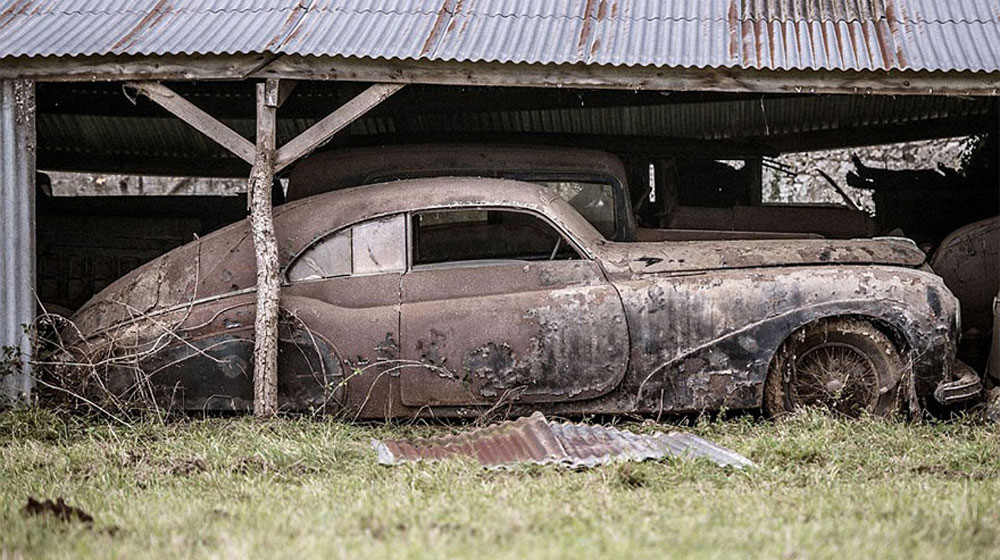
(265, 376)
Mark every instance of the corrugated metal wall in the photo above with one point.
(17, 225)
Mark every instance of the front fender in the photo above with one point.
(707, 341)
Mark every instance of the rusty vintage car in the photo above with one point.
(448, 296)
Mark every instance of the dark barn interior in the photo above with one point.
(85, 242)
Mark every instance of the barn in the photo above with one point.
(677, 90)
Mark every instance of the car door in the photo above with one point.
(342, 298)
(498, 305)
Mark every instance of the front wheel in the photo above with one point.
(844, 365)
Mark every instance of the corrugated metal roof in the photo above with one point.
(773, 34)
(536, 440)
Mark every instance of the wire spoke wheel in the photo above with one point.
(845, 365)
(836, 376)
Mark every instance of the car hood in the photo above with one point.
(693, 256)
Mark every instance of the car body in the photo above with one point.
(448, 296)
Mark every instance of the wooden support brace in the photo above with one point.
(319, 133)
(200, 120)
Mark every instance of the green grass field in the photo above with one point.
(240, 488)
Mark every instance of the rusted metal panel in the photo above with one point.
(534, 439)
(774, 34)
(17, 232)
(532, 332)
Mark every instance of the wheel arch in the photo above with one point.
(894, 332)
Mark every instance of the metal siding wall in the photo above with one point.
(17, 225)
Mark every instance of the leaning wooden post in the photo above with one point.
(265, 348)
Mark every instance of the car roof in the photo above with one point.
(320, 214)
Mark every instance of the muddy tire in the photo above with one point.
(844, 365)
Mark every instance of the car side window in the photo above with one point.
(474, 236)
(371, 247)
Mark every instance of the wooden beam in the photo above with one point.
(296, 67)
(285, 89)
(200, 120)
(116, 68)
(319, 133)
(596, 76)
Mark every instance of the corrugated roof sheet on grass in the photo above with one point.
(536, 440)
(772, 34)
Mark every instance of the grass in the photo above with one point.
(239, 488)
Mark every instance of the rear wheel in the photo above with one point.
(844, 365)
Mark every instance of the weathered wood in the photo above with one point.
(895, 82)
(116, 68)
(285, 88)
(265, 377)
(200, 120)
(319, 133)
(297, 67)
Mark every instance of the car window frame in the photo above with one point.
(286, 281)
(571, 240)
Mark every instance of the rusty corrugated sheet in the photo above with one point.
(535, 439)
(772, 34)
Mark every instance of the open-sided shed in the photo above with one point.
(88, 86)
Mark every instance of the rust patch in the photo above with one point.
(602, 10)
(18, 8)
(439, 23)
(497, 363)
(291, 22)
(586, 29)
(894, 23)
(430, 349)
(595, 46)
(154, 16)
(735, 28)
(388, 349)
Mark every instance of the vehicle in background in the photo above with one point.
(969, 262)
(593, 181)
